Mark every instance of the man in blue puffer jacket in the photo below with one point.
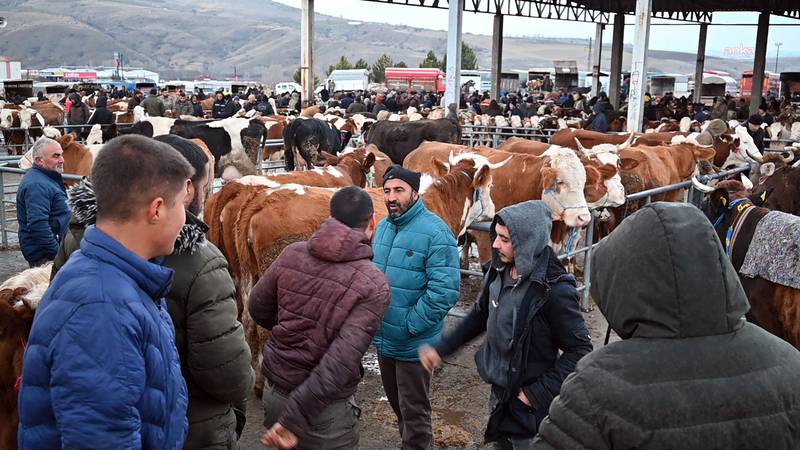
(101, 369)
(42, 211)
(418, 253)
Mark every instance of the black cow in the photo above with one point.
(143, 128)
(398, 139)
(219, 140)
(309, 138)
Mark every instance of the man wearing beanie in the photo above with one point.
(755, 130)
(153, 105)
(418, 253)
(528, 308)
(331, 299)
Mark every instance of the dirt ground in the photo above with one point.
(459, 395)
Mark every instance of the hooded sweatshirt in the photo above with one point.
(535, 333)
(689, 373)
(529, 225)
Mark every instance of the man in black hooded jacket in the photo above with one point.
(690, 372)
(528, 307)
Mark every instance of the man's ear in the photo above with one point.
(154, 210)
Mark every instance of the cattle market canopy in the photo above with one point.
(599, 11)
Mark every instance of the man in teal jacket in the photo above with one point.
(418, 253)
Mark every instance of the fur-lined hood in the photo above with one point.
(83, 203)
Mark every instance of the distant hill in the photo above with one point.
(187, 38)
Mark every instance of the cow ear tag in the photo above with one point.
(724, 201)
(764, 196)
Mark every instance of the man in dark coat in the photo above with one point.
(103, 116)
(331, 299)
(42, 212)
(153, 105)
(755, 131)
(528, 307)
(201, 302)
(690, 372)
(78, 113)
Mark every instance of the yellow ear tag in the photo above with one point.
(724, 201)
(764, 196)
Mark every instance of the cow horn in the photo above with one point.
(500, 164)
(797, 164)
(787, 157)
(700, 186)
(627, 143)
(580, 147)
(746, 182)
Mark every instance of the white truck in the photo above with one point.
(346, 80)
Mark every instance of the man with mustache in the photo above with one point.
(418, 253)
(42, 211)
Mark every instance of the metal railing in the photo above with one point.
(493, 136)
(692, 197)
(8, 208)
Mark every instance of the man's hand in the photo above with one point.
(280, 437)
(524, 399)
(429, 358)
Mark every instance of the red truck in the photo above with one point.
(402, 78)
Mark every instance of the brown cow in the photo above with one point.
(774, 307)
(566, 138)
(52, 113)
(779, 185)
(521, 145)
(19, 296)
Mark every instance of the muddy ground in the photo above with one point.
(459, 395)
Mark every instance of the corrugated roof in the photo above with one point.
(629, 6)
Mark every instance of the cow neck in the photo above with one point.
(447, 196)
(684, 163)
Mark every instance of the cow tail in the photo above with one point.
(289, 144)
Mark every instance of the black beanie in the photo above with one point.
(153, 91)
(400, 173)
(755, 119)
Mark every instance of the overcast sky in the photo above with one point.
(678, 38)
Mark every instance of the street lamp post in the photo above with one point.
(777, 55)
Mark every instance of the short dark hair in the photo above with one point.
(352, 206)
(191, 151)
(131, 171)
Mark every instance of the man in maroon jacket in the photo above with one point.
(323, 301)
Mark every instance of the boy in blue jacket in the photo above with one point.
(101, 369)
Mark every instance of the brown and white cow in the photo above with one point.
(19, 296)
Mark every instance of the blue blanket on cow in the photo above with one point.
(774, 252)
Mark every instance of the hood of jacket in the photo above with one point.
(529, 224)
(337, 242)
(83, 203)
(664, 274)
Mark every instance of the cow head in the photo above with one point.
(778, 186)
(563, 181)
(608, 158)
(6, 118)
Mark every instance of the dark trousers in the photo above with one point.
(408, 386)
(335, 428)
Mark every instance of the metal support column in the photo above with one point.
(641, 39)
(307, 50)
(760, 62)
(452, 92)
(597, 58)
(700, 63)
(497, 55)
(615, 77)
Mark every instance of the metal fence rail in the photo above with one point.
(28, 141)
(8, 208)
(493, 136)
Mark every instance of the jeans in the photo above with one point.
(408, 386)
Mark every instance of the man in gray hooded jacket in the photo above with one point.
(689, 373)
(528, 307)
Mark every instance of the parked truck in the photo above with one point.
(347, 80)
(428, 79)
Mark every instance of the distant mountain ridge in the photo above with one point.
(260, 38)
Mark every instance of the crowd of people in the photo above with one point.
(136, 343)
